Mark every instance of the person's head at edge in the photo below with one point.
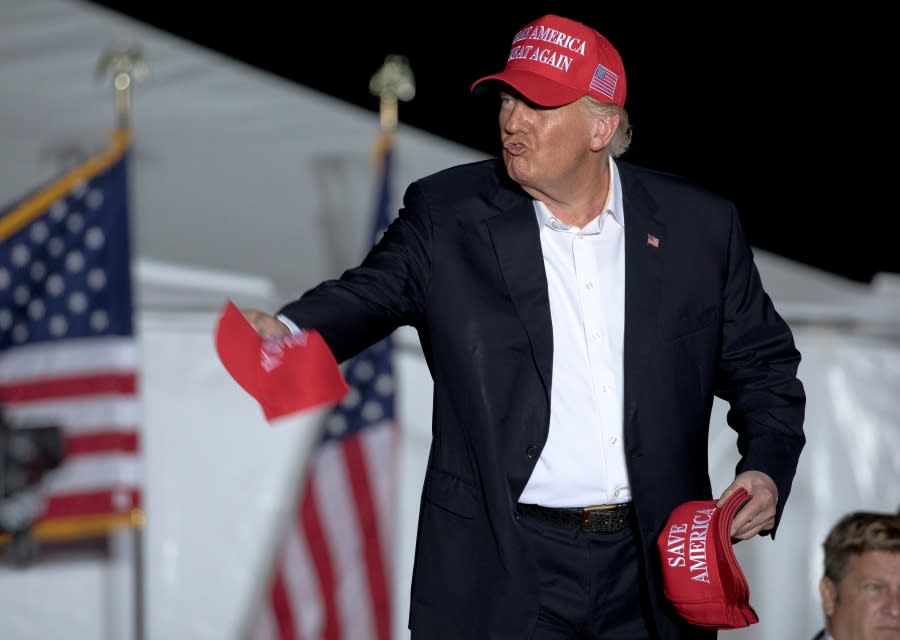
(860, 588)
(562, 106)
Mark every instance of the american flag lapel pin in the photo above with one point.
(652, 241)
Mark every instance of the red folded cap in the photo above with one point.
(285, 374)
(701, 575)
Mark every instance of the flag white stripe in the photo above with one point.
(340, 525)
(378, 444)
(80, 416)
(303, 594)
(95, 472)
(84, 356)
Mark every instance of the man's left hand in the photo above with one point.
(758, 514)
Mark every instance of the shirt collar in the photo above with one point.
(613, 204)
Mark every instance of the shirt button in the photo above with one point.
(531, 451)
(618, 491)
(588, 285)
(612, 441)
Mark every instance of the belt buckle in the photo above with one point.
(587, 511)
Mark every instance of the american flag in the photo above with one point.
(604, 81)
(68, 353)
(332, 575)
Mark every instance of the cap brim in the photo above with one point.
(533, 87)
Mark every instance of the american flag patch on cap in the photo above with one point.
(604, 81)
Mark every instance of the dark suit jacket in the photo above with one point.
(463, 265)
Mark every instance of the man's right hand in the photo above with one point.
(266, 325)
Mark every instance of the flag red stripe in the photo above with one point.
(376, 576)
(281, 607)
(69, 387)
(317, 543)
(103, 442)
(90, 503)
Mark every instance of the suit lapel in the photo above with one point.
(645, 250)
(516, 240)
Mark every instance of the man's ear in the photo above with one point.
(828, 593)
(604, 129)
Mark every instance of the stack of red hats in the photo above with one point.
(701, 575)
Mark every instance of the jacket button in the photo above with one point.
(532, 451)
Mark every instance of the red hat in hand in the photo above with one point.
(285, 374)
(701, 575)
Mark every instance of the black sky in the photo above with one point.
(777, 112)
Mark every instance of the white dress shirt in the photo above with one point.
(583, 462)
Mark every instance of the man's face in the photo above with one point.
(546, 150)
(865, 604)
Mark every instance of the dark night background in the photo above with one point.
(778, 112)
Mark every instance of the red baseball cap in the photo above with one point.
(701, 575)
(285, 374)
(555, 61)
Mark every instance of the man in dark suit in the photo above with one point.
(860, 585)
(578, 315)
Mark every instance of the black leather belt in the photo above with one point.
(606, 518)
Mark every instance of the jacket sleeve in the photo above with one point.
(757, 373)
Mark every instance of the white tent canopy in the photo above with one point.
(249, 187)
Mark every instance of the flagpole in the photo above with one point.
(392, 82)
(125, 64)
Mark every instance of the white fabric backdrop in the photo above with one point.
(851, 461)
